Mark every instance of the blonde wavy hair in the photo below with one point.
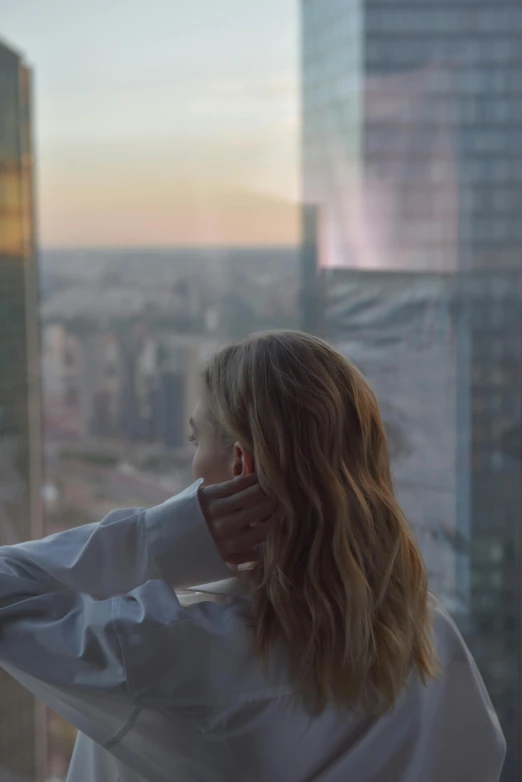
(340, 578)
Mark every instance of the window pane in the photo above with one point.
(208, 170)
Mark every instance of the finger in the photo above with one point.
(246, 499)
(228, 488)
(230, 544)
(228, 523)
(270, 516)
(245, 519)
(254, 537)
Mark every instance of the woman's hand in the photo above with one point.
(239, 516)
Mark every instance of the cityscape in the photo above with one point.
(123, 343)
(124, 338)
(408, 260)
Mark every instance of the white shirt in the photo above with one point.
(90, 623)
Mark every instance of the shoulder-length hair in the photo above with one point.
(340, 578)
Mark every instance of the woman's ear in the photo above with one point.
(243, 461)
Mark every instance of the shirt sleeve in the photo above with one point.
(125, 550)
(58, 605)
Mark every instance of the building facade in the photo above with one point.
(412, 161)
(495, 411)
(402, 330)
(22, 737)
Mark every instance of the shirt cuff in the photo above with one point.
(181, 543)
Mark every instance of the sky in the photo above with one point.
(167, 122)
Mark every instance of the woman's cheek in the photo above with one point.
(212, 466)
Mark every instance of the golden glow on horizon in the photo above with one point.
(228, 193)
(198, 218)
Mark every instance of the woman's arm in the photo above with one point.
(184, 541)
(119, 554)
(59, 636)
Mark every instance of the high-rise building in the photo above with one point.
(179, 387)
(495, 413)
(22, 739)
(401, 330)
(412, 164)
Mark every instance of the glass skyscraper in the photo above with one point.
(412, 174)
(22, 740)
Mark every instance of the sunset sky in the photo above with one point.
(163, 122)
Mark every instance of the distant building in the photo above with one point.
(22, 738)
(101, 358)
(64, 387)
(130, 423)
(138, 374)
(173, 406)
(178, 387)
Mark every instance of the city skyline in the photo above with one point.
(167, 129)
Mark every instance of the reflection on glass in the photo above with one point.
(417, 254)
(411, 164)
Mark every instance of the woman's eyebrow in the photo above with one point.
(192, 423)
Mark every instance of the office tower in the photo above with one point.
(178, 387)
(412, 160)
(173, 407)
(21, 736)
(495, 402)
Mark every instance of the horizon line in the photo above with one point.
(167, 247)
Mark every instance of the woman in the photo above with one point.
(323, 660)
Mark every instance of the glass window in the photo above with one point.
(175, 160)
(497, 464)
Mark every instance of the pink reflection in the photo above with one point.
(397, 206)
